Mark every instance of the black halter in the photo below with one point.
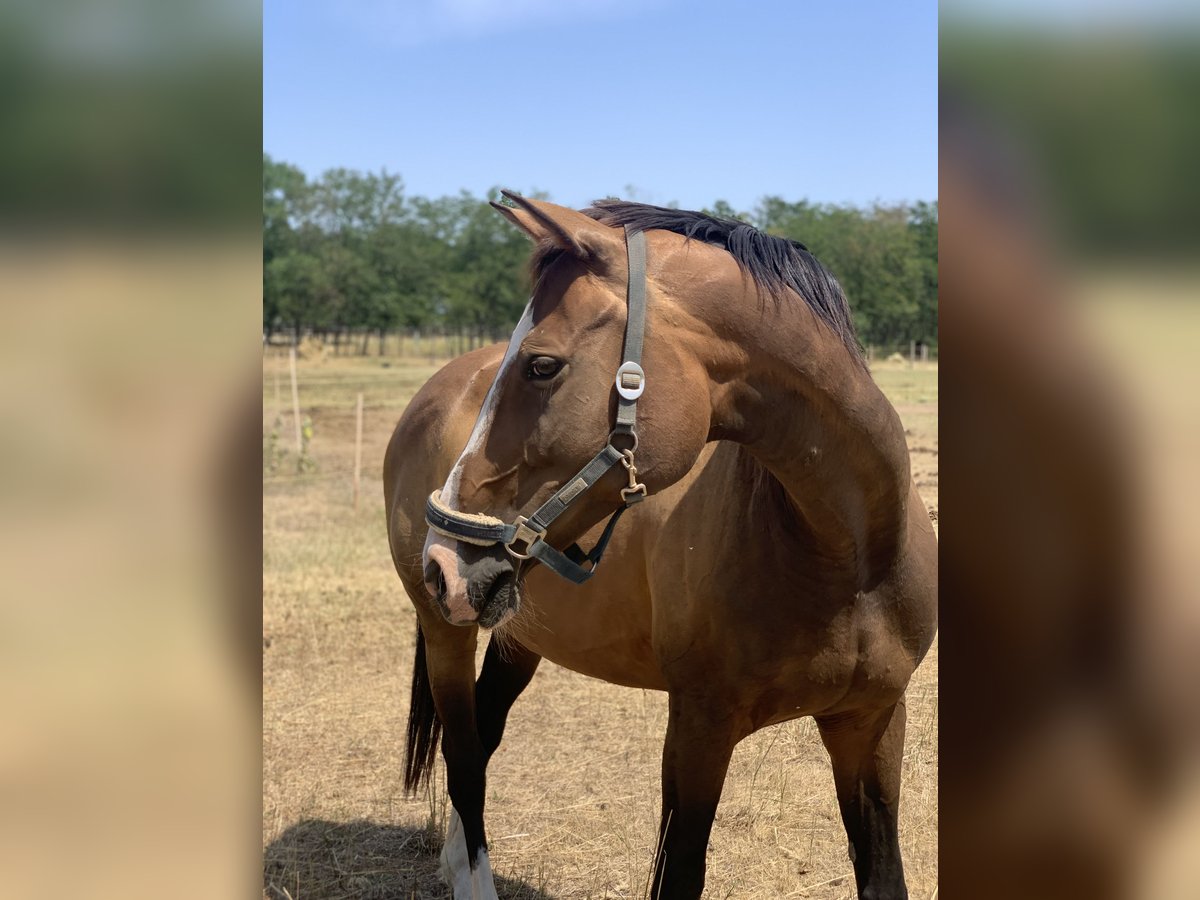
(526, 537)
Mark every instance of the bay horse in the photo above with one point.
(782, 564)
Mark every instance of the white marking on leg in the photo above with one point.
(482, 882)
(465, 883)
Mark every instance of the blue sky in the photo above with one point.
(656, 100)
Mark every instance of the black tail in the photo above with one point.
(424, 726)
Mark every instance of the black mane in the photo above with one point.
(775, 264)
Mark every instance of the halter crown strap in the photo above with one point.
(635, 330)
(484, 530)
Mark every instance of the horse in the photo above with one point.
(773, 558)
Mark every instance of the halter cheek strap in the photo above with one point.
(525, 538)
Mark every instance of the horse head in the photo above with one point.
(556, 401)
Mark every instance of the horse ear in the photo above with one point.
(566, 228)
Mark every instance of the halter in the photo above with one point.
(525, 538)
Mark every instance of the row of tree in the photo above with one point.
(351, 254)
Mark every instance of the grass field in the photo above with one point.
(572, 810)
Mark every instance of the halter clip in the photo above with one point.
(635, 487)
(526, 534)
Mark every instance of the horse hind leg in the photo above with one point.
(866, 750)
(508, 667)
(472, 716)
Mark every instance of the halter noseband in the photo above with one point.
(525, 538)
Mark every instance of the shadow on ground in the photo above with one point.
(319, 860)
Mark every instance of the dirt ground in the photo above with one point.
(572, 809)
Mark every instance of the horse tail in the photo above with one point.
(424, 726)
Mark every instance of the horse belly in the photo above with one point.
(863, 663)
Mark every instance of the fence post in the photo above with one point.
(912, 354)
(296, 403)
(358, 448)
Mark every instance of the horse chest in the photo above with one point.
(602, 629)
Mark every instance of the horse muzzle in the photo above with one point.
(470, 584)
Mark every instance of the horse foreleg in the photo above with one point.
(473, 717)
(695, 760)
(450, 659)
(866, 750)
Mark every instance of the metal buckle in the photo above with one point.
(631, 380)
(628, 492)
(635, 487)
(526, 534)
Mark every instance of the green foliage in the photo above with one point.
(352, 252)
(273, 452)
(305, 462)
(885, 258)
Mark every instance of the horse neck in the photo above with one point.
(788, 390)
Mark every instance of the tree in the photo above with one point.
(299, 288)
(350, 252)
(924, 225)
(348, 202)
(884, 257)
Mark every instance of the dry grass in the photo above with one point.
(572, 810)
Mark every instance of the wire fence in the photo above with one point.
(910, 352)
(431, 344)
(441, 344)
(288, 460)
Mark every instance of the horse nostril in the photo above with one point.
(435, 577)
(492, 590)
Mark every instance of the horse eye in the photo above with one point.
(544, 367)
